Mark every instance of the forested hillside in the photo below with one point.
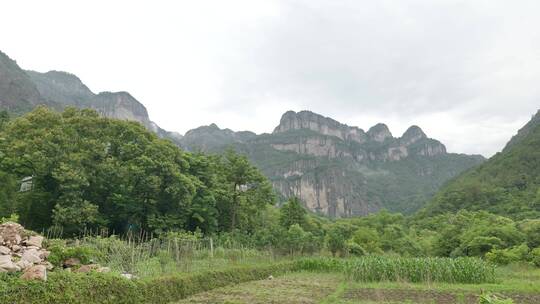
(507, 184)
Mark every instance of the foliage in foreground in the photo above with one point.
(493, 299)
(64, 287)
(414, 270)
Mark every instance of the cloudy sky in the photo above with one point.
(467, 72)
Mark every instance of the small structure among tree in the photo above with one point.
(26, 184)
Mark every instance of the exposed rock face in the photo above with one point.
(120, 105)
(320, 124)
(339, 170)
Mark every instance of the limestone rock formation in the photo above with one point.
(340, 170)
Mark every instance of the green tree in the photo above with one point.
(368, 239)
(4, 118)
(250, 190)
(296, 239)
(337, 236)
(89, 171)
(292, 212)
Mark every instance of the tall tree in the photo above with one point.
(292, 212)
(250, 189)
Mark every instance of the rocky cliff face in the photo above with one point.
(329, 138)
(323, 125)
(21, 91)
(120, 105)
(340, 170)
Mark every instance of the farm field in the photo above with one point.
(520, 283)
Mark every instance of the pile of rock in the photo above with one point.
(22, 250)
(75, 265)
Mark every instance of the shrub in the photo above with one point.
(354, 249)
(535, 256)
(509, 255)
(61, 252)
(63, 287)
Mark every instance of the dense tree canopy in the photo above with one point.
(88, 171)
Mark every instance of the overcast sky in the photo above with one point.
(467, 72)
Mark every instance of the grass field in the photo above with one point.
(520, 283)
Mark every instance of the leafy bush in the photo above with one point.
(354, 249)
(507, 256)
(535, 256)
(61, 252)
(63, 287)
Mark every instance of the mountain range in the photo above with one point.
(340, 170)
(22, 90)
(335, 169)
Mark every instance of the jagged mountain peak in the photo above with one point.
(305, 120)
(379, 132)
(413, 134)
(324, 125)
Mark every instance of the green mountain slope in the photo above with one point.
(18, 94)
(507, 184)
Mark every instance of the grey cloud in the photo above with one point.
(391, 58)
